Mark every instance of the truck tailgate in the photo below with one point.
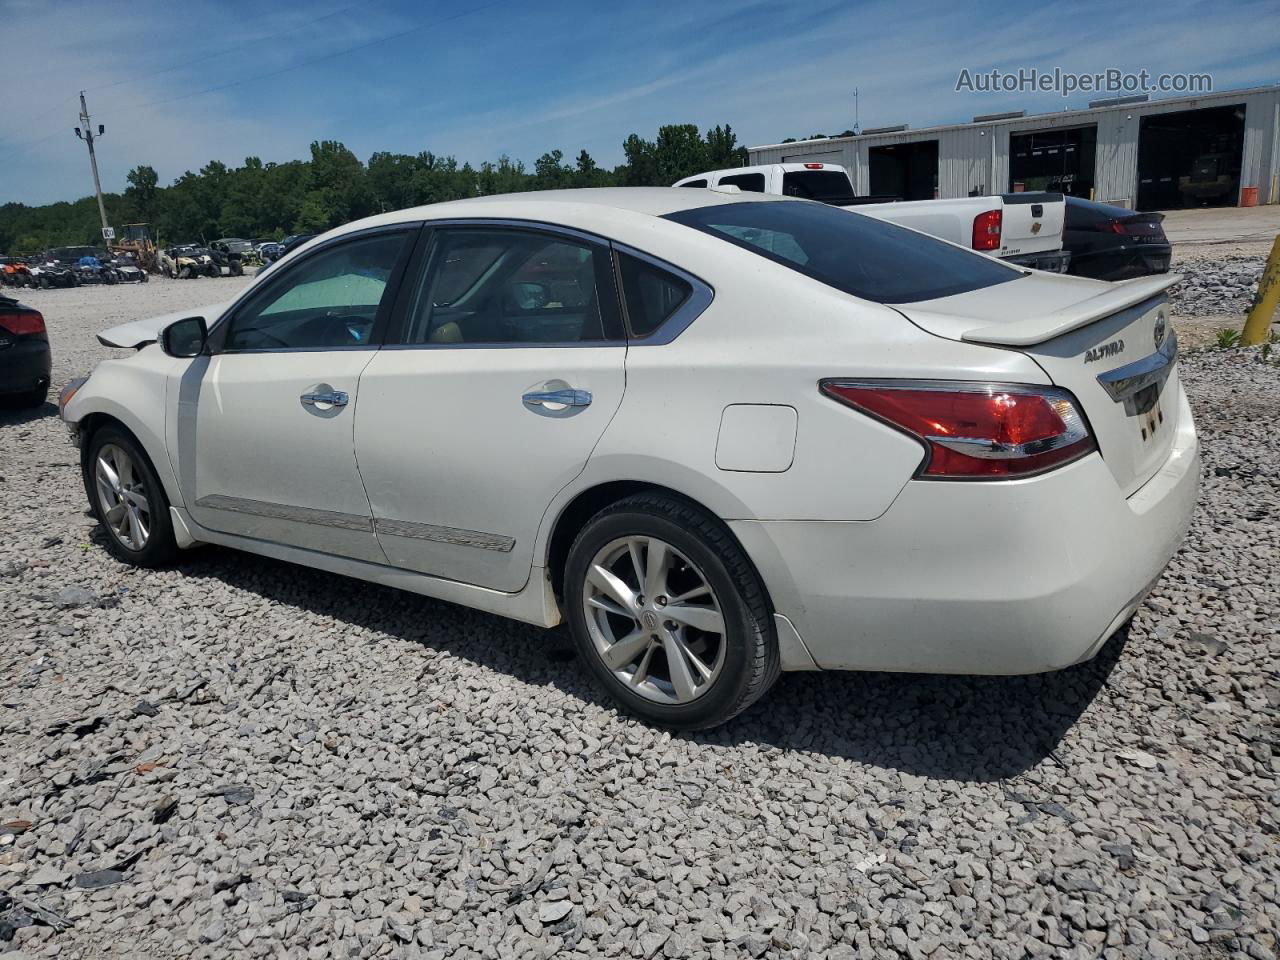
(1032, 223)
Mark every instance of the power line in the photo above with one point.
(314, 60)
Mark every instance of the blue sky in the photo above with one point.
(180, 84)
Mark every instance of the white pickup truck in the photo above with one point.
(1023, 228)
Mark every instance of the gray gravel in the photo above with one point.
(1216, 286)
(240, 758)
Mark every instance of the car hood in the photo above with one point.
(138, 333)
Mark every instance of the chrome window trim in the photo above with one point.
(700, 297)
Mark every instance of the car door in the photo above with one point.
(504, 373)
(265, 422)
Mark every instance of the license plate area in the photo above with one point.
(1145, 405)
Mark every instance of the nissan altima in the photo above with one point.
(721, 435)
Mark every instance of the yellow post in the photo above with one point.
(1265, 301)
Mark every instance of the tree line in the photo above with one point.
(259, 200)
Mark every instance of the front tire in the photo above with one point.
(128, 500)
(669, 614)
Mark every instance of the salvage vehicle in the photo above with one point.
(1112, 243)
(721, 435)
(85, 262)
(227, 262)
(126, 270)
(47, 272)
(16, 272)
(187, 261)
(1022, 228)
(25, 361)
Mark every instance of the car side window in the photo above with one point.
(695, 183)
(497, 286)
(328, 300)
(651, 293)
(746, 182)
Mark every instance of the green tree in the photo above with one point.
(142, 192)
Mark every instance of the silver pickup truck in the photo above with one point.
(1023, 228)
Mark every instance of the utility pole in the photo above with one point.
(88, 137)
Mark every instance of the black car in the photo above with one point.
(25, 361)
(1112, 243)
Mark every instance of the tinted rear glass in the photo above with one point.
(746, 182)
(867, 258)
(652, 294)
(817, 185)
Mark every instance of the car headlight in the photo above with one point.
(68, 392)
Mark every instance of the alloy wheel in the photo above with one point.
(122, 495)
(654, 619)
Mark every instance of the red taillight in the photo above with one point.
(986, 230)
(22, 321)
(1113, 226)
(976, 430)
(813, 166)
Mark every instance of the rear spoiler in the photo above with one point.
(1023, 333)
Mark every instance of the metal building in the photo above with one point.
(1219, 149)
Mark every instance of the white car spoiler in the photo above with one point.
(1023, 333)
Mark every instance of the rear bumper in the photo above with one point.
(25, 366)
(1007, 577)
(1122, 265)
(1053, 261)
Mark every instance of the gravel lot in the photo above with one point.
(238, 757)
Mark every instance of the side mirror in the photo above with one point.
(185, 338)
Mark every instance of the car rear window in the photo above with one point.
(826, 185)
(867, 258)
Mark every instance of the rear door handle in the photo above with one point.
(566, 398)
(334, 398)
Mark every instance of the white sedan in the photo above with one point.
(721, 435)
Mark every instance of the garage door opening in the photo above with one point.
(1058, 160)
(1190, 158)
(908, 171)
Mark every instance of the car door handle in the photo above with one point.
(334, 398)
(567, 398)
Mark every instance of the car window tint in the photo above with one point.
(747, 182)
(694, 183)
(496, 286)
(867, 258)
(651, 293)
(329, 299)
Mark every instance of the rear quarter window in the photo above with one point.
(858, 255)
(746, 182)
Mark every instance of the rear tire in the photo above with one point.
(128, 499)
(705, 608)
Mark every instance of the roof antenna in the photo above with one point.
(856, 127)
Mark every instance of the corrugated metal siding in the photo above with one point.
(968, 161)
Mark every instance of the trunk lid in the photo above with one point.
(1110, 344)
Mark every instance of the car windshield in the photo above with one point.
(867, 258)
